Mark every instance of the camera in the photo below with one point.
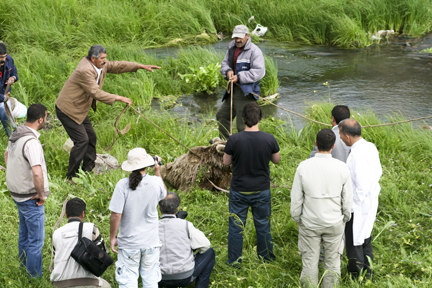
(181, 214)
(156, 159)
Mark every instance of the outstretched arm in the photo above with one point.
(114, 225)
(148, 67)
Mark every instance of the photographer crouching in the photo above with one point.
(179, 266)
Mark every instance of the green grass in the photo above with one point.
(48, 38)
(402, 249)
(66, 24)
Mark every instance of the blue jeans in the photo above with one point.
(133, 262)
(6, 121)
(261, 211)
(31, 236)
(204, 264)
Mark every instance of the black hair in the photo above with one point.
(251, 114)
(35, 112)
(95, 51)
(325, 140)
(75, 207)
(170, 204)
(3, 49)
(340, 112)
(351, 127)
(135, 178)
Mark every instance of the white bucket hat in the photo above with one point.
(137, 159)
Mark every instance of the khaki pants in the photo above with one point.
(309, 243)
(223, 115)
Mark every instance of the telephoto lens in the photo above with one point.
(156, 159)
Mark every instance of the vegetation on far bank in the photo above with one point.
(402, 236)
(66, 24)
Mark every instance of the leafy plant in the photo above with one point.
(204, 79)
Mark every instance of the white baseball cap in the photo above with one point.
(240, 31)
(137, 159)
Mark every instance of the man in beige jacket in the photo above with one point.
(81, 92)
(321, 199)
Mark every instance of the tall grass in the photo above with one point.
(402, 238)
(66, 24)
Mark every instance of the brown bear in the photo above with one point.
(205, 160)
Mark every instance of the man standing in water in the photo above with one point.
(365, 168)
(244, 65)
(81, 92)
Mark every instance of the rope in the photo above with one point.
(123, 131)
(395, 123)
(8, 112)
(318, 122)
(230, 88)
(55, 227)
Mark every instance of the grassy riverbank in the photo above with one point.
(48, 38)
(402, 242)
(65, 24)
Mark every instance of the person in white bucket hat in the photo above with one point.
(134, 210)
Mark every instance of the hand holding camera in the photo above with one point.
(157, 165)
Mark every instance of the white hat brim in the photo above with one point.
(238, 35)
(148, 161)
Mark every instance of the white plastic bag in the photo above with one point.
(19, 110)
(259, 30)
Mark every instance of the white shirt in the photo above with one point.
(321, 194)
(365, 168)
(99, 71)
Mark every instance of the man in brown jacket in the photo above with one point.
(81, 92)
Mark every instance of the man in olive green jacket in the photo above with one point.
(81, 92)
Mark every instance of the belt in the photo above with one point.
(76, 282)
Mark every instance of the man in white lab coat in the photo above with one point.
(365, 168)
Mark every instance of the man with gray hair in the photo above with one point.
(81, 92)
(244, 65)
(180, 239)
(365, 169)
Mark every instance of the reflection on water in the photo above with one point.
(387, 78)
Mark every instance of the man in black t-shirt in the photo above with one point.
(250, 152)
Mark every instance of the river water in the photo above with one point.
(388, 77)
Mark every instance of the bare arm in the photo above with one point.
(38, 181)
(157, 169)
(114, 225)
(6, 157)
(275, 158)
(227, 159)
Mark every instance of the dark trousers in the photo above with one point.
(356, 255)
(261, 210)
(84, 139)
(224, 112)
(204, 264)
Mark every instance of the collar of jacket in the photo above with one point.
(74, 219)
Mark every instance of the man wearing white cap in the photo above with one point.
(244, 65)
(134, 210)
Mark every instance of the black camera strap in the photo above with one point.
(80, 231)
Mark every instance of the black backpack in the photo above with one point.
(90, 256)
